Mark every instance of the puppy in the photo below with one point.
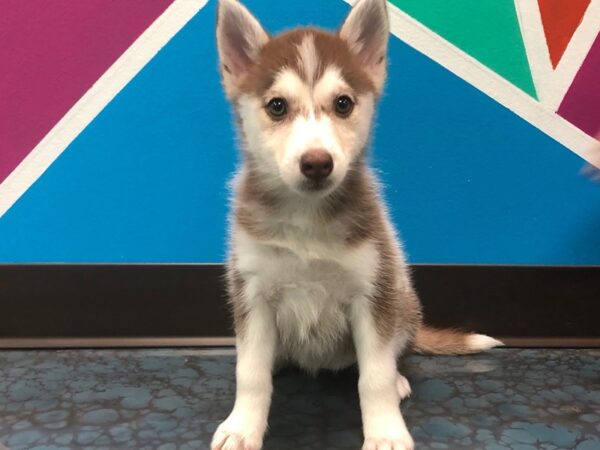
(316, 274)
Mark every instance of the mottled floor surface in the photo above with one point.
(174, 399)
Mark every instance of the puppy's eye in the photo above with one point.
(277, 108)
(343, 105)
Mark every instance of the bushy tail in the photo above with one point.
(434, 341)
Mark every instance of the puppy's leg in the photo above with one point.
(383, 425)
(245, 427)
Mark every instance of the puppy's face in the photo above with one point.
(305, 99)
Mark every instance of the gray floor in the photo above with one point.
(174, 399)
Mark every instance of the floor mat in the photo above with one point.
(174, 399)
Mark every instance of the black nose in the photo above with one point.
(316, 164)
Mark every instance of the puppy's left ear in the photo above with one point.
(366, 29)
(240, 38)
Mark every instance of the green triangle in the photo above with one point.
(488, 30)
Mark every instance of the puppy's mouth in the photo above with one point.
(316, 186)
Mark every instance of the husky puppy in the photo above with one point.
(316, 274)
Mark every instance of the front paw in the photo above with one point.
(392, 443)
(232, 435)
(388, 433)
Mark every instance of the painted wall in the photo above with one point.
(116, 141)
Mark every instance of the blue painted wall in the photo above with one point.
(467, 180)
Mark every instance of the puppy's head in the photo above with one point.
(304, 98)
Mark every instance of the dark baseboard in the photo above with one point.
(186, 302)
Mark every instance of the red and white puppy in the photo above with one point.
(316, 274)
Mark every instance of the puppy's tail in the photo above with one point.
(434, 341)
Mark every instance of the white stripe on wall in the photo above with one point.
(122, 71)
(538, 55)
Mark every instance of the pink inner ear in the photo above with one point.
(373, 43)
(369, 30)
(235, 48)
(239, 36)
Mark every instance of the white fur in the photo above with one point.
(331, 82)
(309, 59)
(481, 342)
(309, 283)
(289, 85)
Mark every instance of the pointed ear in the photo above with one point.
(239, 40)
(366, 29)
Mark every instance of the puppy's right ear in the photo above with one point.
(366, 30)
(239, 40)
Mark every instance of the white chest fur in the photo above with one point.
(309, 284)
